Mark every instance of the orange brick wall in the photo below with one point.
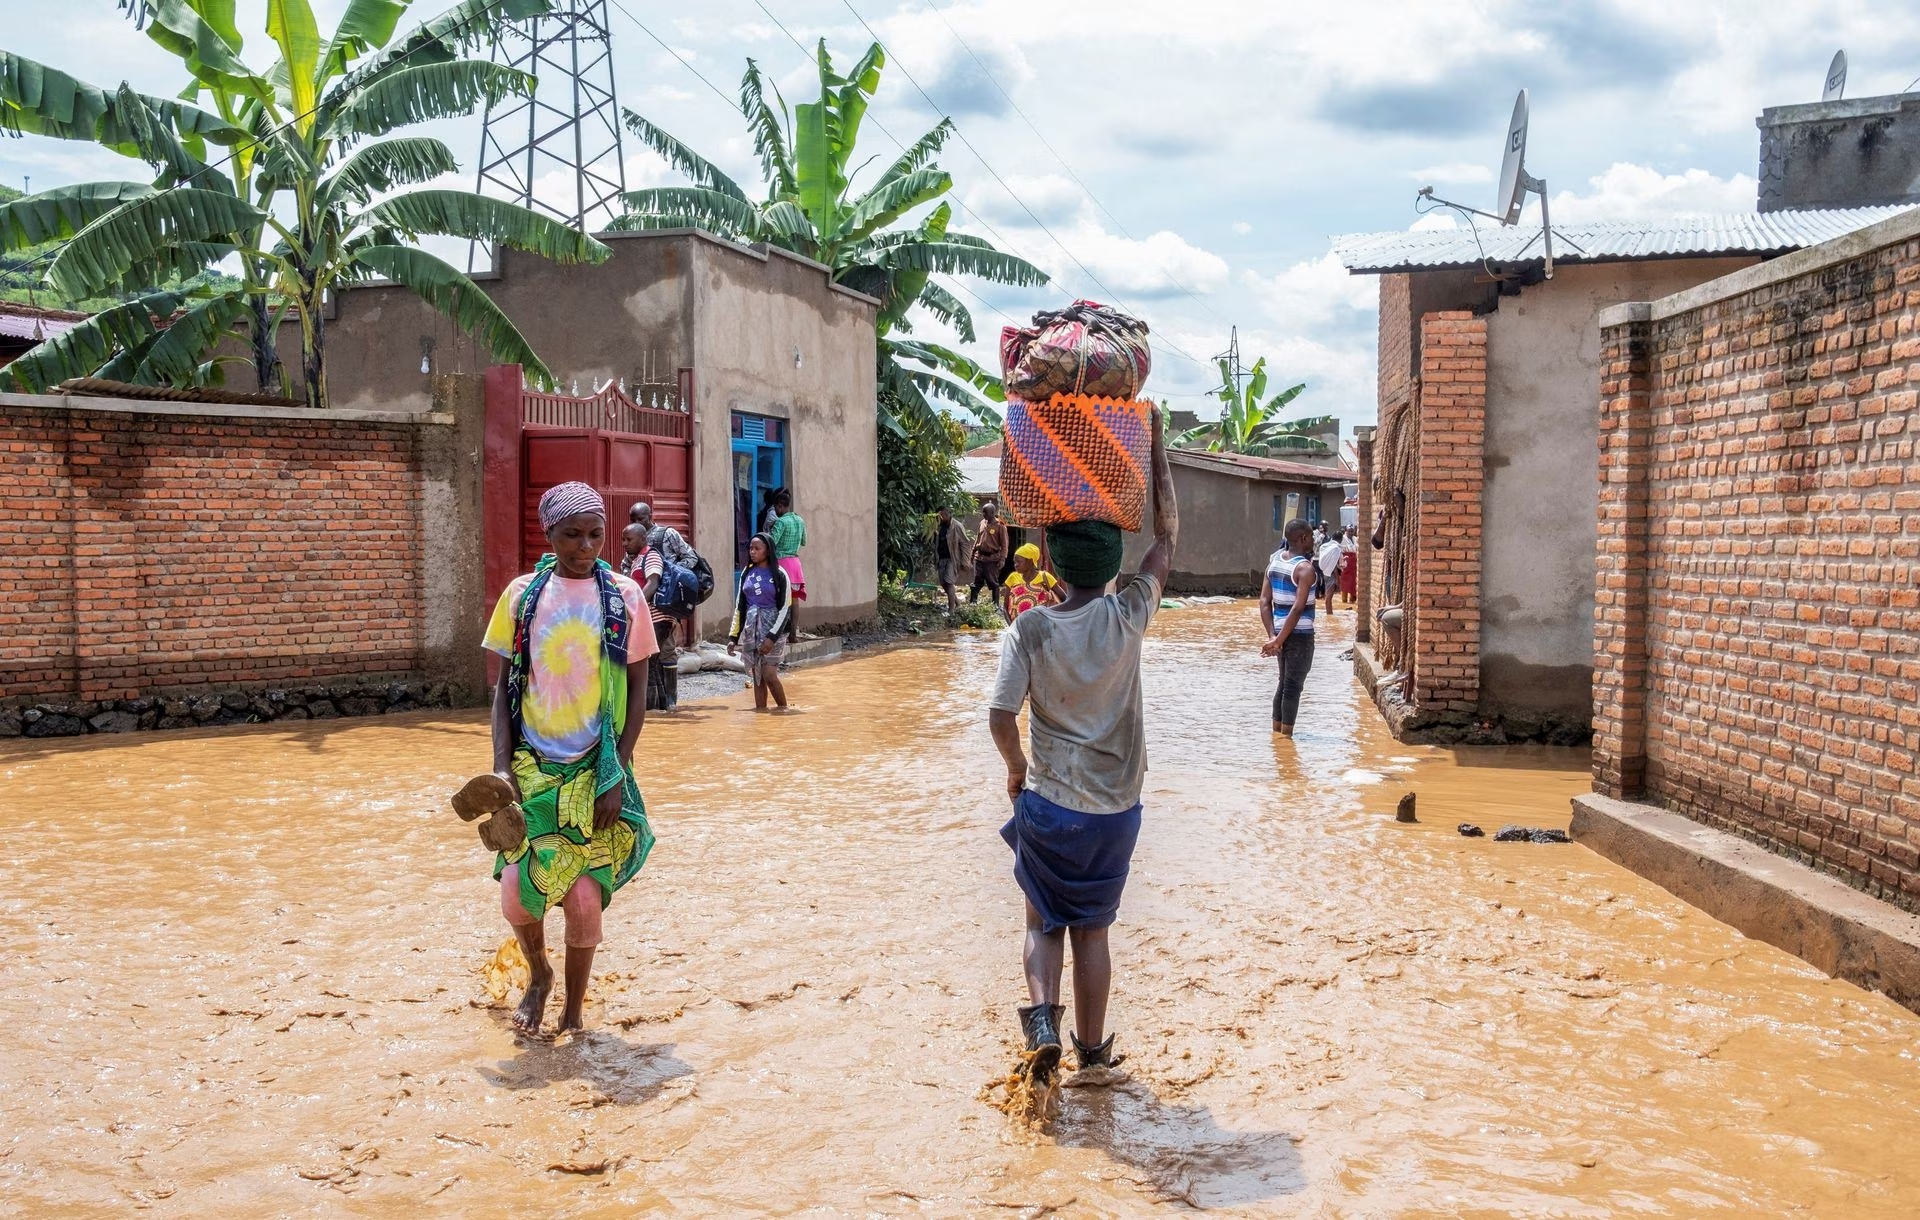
(1396, 369)
(1446, 590)
(166, 553)
(1757, 645)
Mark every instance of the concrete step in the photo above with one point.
(813, 650)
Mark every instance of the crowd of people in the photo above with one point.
(586, 647)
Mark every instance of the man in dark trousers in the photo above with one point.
(1076, 804)
(989, 553)
(1286, 610)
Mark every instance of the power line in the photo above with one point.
(1048, 145)
(1011, 193)
(732, 103)
(951, 280)
(975, 216)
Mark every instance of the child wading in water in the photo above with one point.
(1076, 807)
(568, 709)
(762, 622)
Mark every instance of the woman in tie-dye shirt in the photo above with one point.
(575, 637)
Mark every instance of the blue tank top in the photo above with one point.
(1280, 577)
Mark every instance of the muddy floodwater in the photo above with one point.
(243, 976)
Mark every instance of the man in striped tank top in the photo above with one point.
(1288, 591)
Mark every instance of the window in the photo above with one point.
(1279, 515)
(1313, 510)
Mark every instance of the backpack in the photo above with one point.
(679, 590)
(703, 578)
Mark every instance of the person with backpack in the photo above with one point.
(686, 581)
(647, 569)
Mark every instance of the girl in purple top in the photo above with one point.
(760, 615)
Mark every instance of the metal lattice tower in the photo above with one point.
(570, 126)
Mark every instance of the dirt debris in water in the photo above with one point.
(1327, 1013)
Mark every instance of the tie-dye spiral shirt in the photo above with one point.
(560, 714)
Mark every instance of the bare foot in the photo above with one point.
(571, 1020)
(533, 1008)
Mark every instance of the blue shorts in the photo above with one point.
(1071, 866)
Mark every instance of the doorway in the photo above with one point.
(759, 469)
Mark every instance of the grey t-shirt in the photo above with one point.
(1080, 669)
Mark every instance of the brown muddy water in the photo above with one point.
(243, 975)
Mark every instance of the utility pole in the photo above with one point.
(570, 128)
(1235, 371)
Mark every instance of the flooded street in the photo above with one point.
(244, 974)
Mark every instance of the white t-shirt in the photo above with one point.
(1329, 560)
(1080, 670)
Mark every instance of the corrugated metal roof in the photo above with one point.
(1278, 468)
(980, 476)
(29, 322)
(1604, 241)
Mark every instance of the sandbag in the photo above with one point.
(1087, 348)
(689, 662)
(1076, 458)
(714, 658)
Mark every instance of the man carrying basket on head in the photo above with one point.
(1076, 797)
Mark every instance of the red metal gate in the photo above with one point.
(628, 452)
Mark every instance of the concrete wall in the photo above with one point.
(630, 317)
(1541, 484)
(1757, 639)
(1843, 154)
(1226, 528)
(772, 337)
(664, 301)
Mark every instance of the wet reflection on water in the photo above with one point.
(245, 974)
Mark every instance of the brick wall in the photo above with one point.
(1445, 601)
(1396, 370)
(155, 552)
(1757, 646)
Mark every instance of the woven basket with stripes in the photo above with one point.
(1076, 458)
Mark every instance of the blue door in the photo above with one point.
(759, 469)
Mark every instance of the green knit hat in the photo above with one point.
(1085, 554)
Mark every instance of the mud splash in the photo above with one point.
(247, 974)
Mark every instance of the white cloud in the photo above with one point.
(1242, 227)
(1314, 294)
(1626, 191)
(1454, 171)
(1161, 264)
(1051, 197)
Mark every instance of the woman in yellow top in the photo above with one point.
(1027, 585)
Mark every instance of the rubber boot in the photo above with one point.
(1096, 1056)
(1041, 1025)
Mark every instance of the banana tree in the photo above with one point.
(302, 201)
(1249, 419)
(813, 208)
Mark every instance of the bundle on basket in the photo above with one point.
(1078, 437)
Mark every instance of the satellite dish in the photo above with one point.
(1513, 168)
(1836, 78)
(1515, 182)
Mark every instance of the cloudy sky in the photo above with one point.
(1189, 160)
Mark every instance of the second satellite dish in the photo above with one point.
(1836, 78)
